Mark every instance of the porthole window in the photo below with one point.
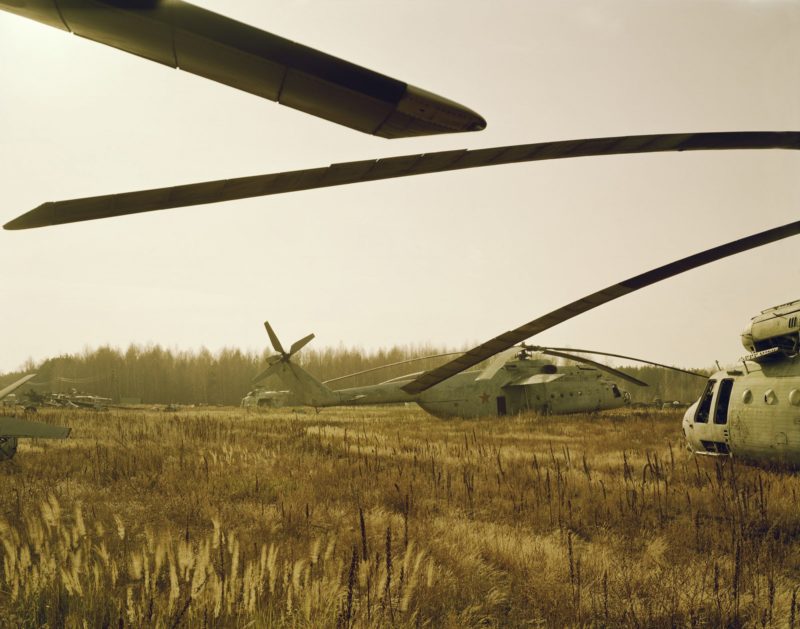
(770, 397)
(747, 396)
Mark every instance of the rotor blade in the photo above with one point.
(551, 319)
(397, 364)
(638, 360)
(496, 364)
(298, 345)
(16, 385)
(273, 338)
(13, 427)
(90, 208)
(213, 46)
(267, 372)
(580, 359)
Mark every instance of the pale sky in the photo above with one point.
(447, 259)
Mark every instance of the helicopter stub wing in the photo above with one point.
(123, 204)
(539, 378)
(14, 427)
(508, 339)
(187, 37)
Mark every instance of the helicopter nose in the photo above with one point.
(688, 424)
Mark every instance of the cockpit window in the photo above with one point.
(724, 397)
(704, 408)
(615, 391)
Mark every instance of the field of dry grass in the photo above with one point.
(387, 517)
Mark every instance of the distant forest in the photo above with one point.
(156, 375)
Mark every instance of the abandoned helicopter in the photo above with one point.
(517, 380)
(751, 411)
(12, 428)
(510, 377)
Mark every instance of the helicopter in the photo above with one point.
(514, 367)
(13, 428)
(520, 379)
(750, 411)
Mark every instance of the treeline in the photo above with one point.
(155, 375)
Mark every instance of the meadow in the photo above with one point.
(386, 517)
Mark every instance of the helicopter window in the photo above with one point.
(615, 391)
(704, 408)
(723, 398)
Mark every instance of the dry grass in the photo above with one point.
(386, 517)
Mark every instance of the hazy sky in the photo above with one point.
(449, 258)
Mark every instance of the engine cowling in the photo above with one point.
(777, 327)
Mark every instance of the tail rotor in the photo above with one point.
(281, 357)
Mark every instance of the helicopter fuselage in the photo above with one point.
(522, 385)
(751, 413)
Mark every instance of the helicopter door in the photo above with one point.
(501, 406)
(711, 417)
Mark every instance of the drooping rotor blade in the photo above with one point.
(397, 364)
(16, 385)
(105, 206)
(496, 364)
(581, 359)
(273, 338)
(565, 313)
(298, 345)
(536, 348)
(181, 35)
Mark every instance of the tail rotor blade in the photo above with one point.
(298, 345)
(268, 371)
(276, 344)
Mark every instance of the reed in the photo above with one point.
(377, 517)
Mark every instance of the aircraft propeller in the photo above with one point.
(282, 356)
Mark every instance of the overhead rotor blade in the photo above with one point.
(298, 345)
(638, 360)
(16, 385)
(565, 313)
(397, 364)
(213, 46)
(581, 359)
(496, 364)
(273, 338)
(90, 208)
